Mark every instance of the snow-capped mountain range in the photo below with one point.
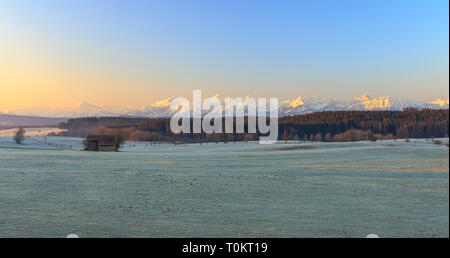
(294, 106)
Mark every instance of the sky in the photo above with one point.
(110, 52)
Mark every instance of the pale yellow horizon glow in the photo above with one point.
(34, 73)
(30, 78)
(55, 54)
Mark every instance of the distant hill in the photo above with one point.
(7, 120)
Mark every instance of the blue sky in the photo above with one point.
(144, 51)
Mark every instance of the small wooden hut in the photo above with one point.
(100, 143)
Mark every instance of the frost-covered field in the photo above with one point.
(392, 188)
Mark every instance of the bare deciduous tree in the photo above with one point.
(119, 139)
(20, 136)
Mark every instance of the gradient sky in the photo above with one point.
(57, 53)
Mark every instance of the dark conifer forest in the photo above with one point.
(321, 126)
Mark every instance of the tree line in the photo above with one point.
(319, 126)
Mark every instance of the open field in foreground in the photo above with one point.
(393, 189)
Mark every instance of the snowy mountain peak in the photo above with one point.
(362, 98)
(4, 111)
(85, 105)
(215, 96)
(293, 106)
(441, 102)
(293, 103)
(308, 104)
(162, 103)
(389, 103)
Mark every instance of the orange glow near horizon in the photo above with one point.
(58, 53)
(27, 79)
